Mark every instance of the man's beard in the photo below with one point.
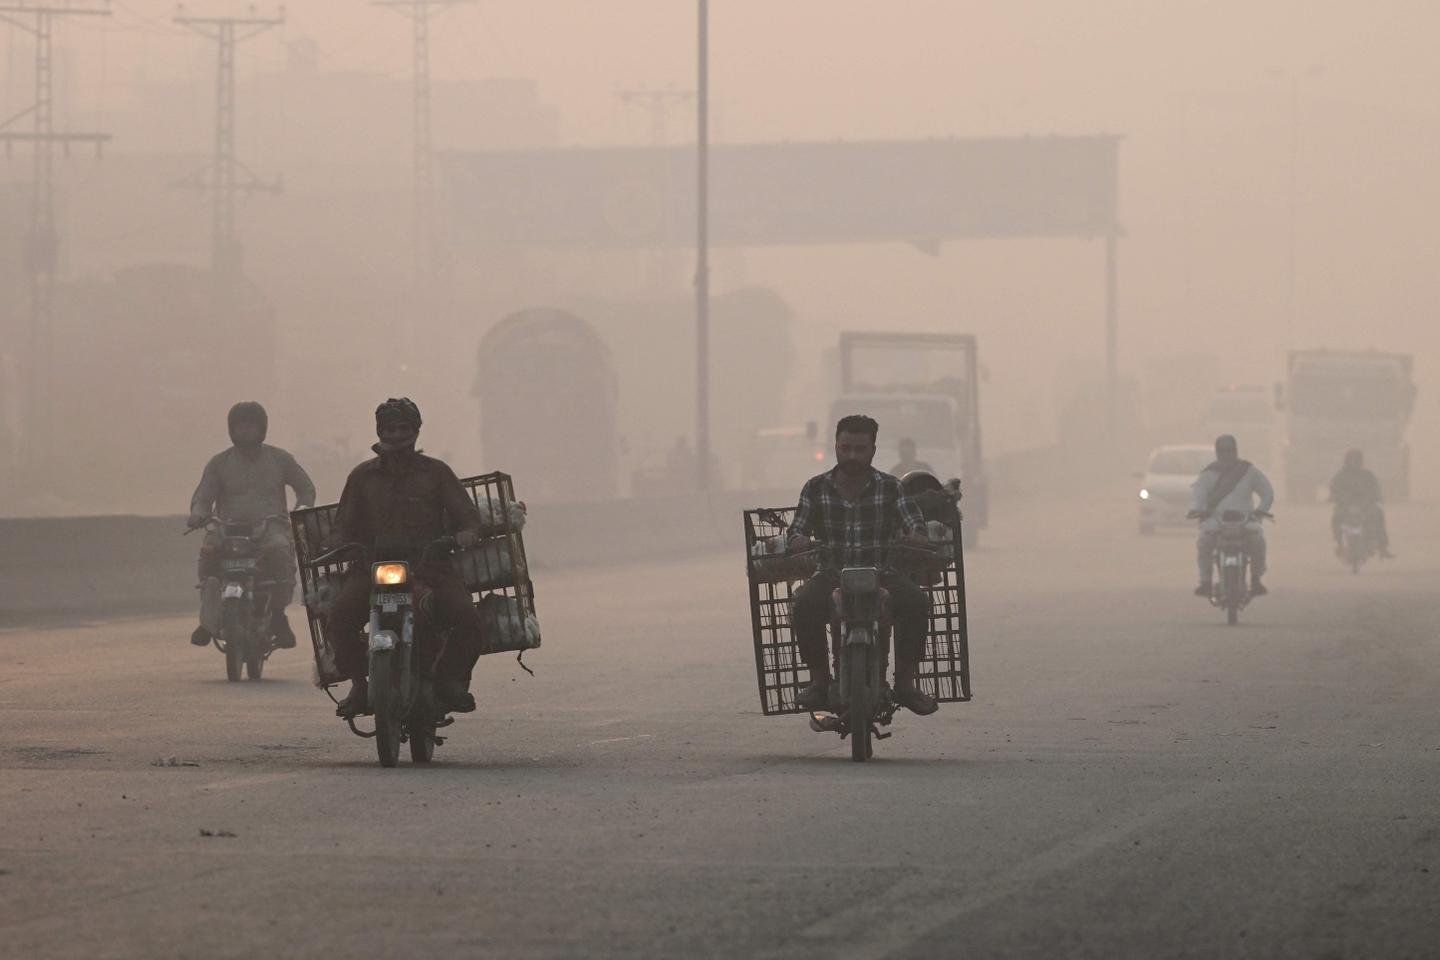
(852, 467)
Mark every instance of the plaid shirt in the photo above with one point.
(856, 528)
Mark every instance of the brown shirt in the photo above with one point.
(402, 501)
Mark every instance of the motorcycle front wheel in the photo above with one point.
(383, 701)
(859, 700)
(232, 634)
(1233, 585)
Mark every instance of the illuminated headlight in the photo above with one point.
(1144, 494)
(391, 574)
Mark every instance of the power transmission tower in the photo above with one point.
(659, 102)
(226, 176)
(42, 242)
(423, 200)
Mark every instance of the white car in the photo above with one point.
(1165, 485)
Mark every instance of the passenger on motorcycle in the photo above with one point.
(1230, 484)
(857, 511)
(246, 484)
(403, 500)
(1355, 488)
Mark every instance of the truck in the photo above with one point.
(925, 387)
(1246, 413)
(1337, 400)
(547, 390)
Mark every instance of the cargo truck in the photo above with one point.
(1336, 400)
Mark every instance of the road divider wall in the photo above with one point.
(97, 567)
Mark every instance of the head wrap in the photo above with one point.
(247, 412)
(402, 409)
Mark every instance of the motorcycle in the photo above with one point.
(1356, 544)
(245, 636)
(1230, 582)
(401, 664)
(860, 629)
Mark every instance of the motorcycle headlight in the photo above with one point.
(860, 580)
(391, 574)
(1144, 494)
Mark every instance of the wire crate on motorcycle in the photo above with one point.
(495, 570)
(774, 575)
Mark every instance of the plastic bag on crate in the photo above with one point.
(771, 563)
(506, 626)
(486, 566)
(493, 516)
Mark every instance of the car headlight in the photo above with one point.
(391, 574)
(1144, 494)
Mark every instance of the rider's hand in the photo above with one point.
(1196, 515)
(466, 538)
(799, 542)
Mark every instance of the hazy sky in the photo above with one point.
(807, 68)
(1201, 92)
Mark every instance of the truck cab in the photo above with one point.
(924, 386)
(1247, 414)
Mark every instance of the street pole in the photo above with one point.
(702, 254)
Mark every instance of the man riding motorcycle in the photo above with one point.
(1355, 488)
(908, 460)
(858, 510)
(1225, 485)
(246, 484)
(402, 500)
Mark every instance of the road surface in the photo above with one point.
(1133, 779)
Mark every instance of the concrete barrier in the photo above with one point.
(107, 566)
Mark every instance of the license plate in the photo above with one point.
(239, 564)
(233, 591)
(1232, 561)
(392, 599)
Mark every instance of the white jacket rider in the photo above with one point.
(1252, 484)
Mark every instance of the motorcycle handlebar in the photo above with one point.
(346, 549)
(216, 520)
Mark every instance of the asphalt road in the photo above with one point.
(1133, 779)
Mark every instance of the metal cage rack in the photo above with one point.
(944, 671)
(495, 570)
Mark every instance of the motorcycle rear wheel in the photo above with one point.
(254, 661)
(859, 700)
(233, 631)
(383, 702)
(1233, 585)
(422, 743)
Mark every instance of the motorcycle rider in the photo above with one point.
(399, 501)
(1355, 488)
(1230, 484)
(908, 461)
(857, 510)
(246, 483)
